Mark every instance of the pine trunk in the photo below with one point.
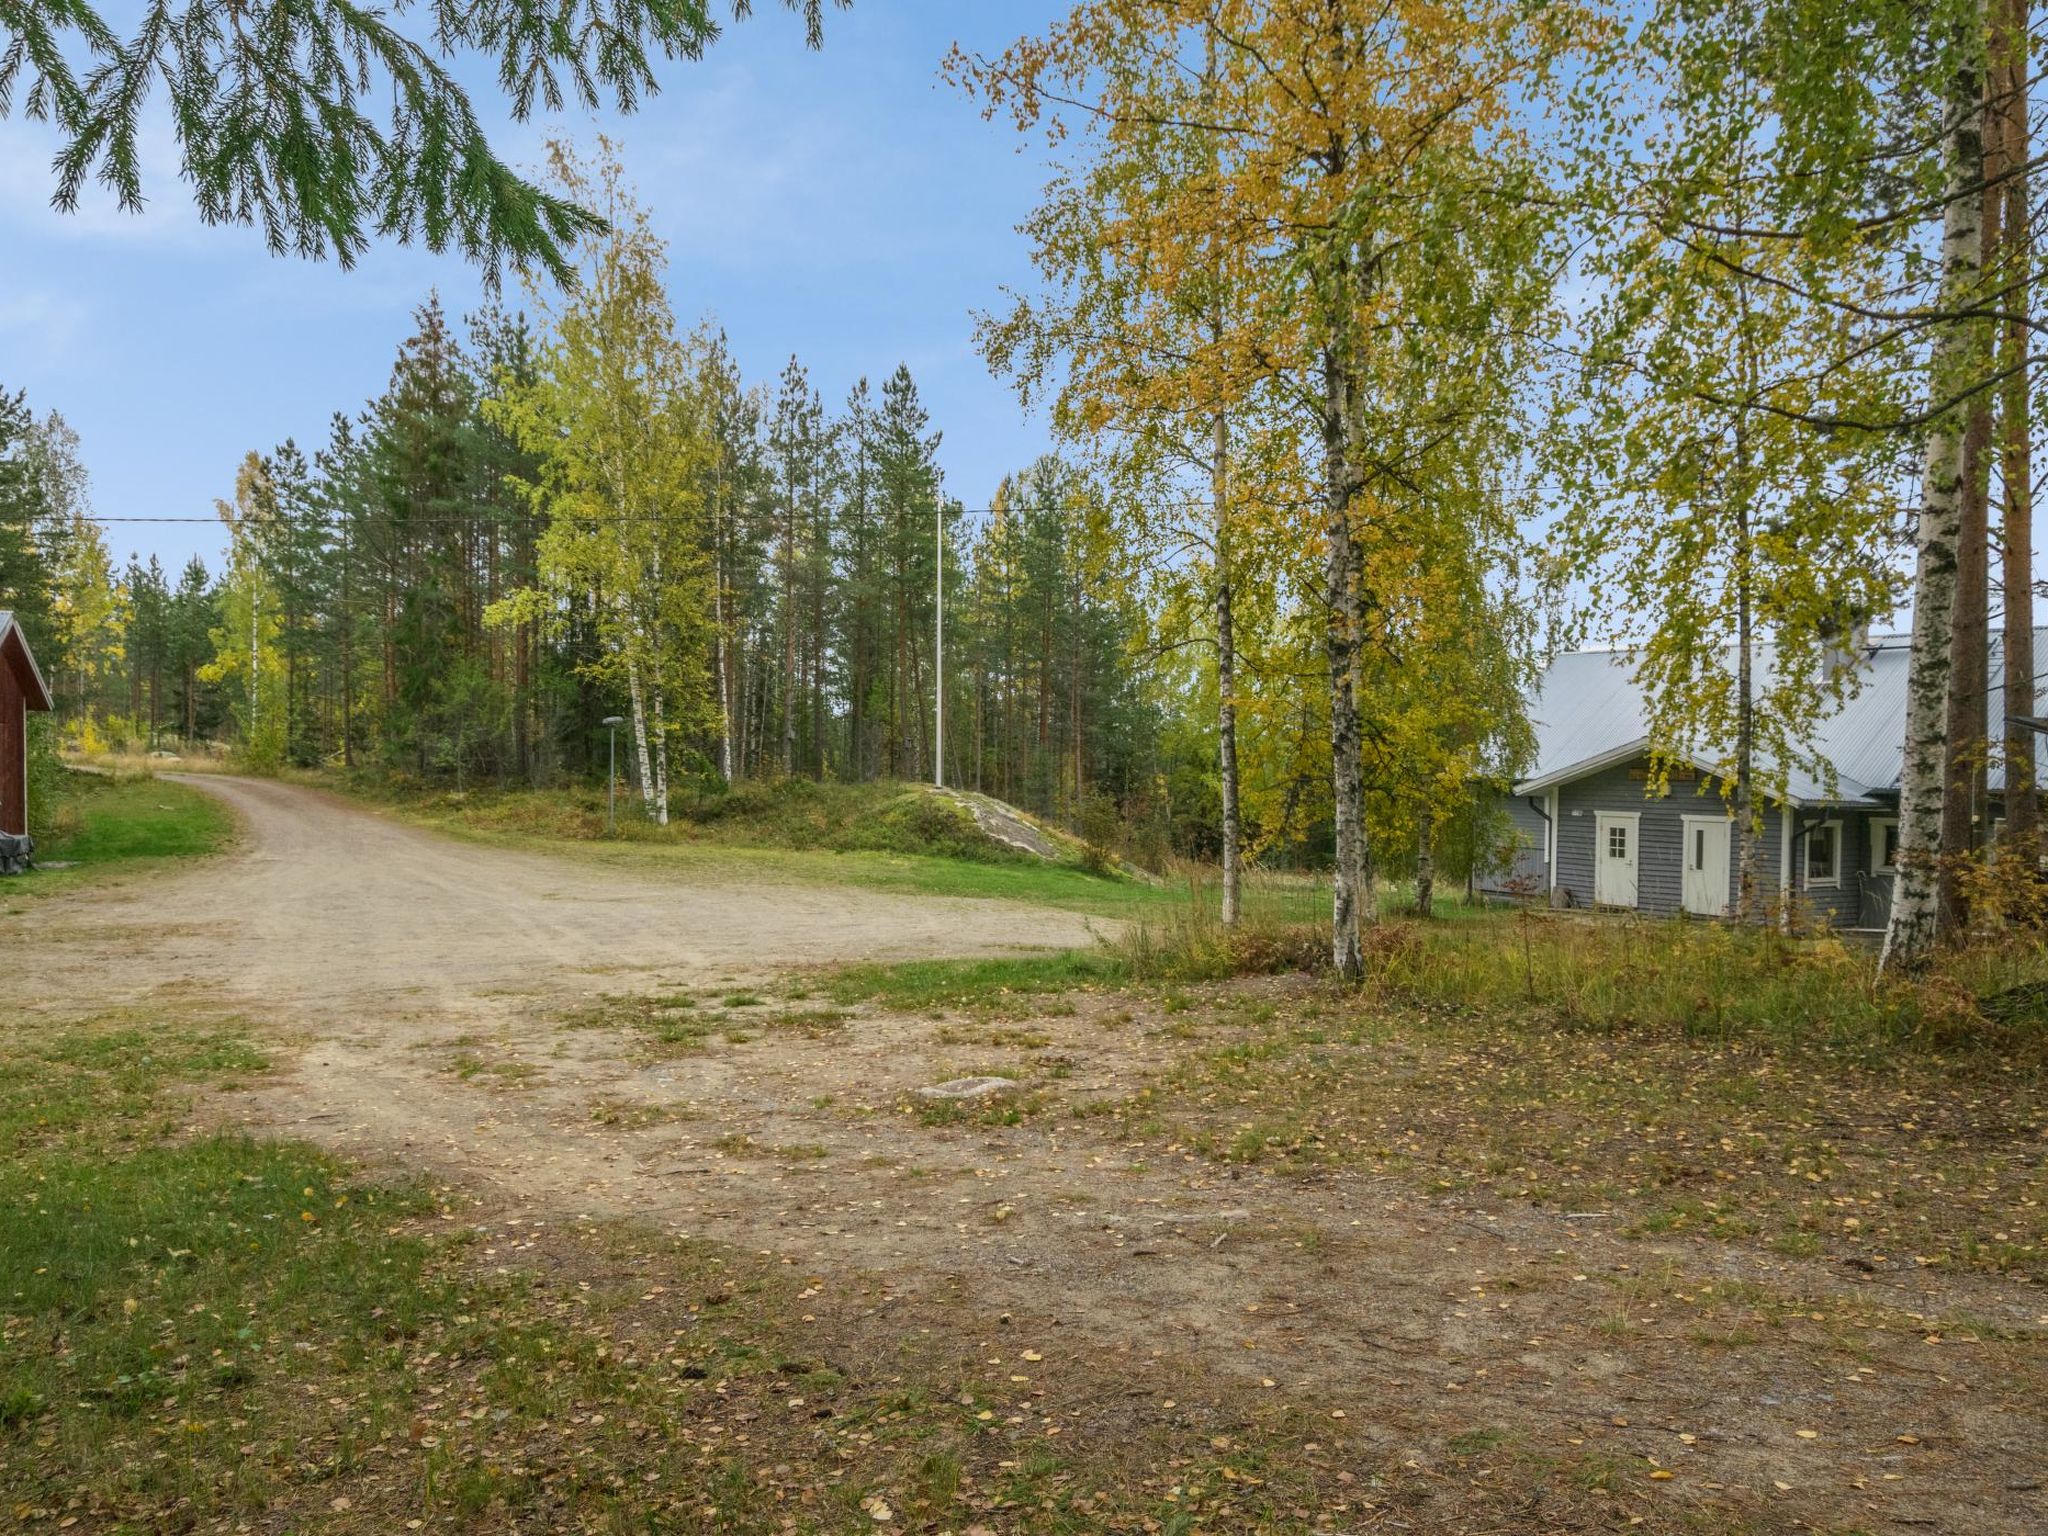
(1914, 929)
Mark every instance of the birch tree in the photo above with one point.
(1733, 546)
(608, 415)
(246, 656)
(1916, 901)
(1368, 163)
(1132, 358)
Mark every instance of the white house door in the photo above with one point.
(1705, 887)
(1614, 859)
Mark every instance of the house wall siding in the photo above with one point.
(1660, 839)
(1861, 898)
(1529, 872)
(1660, 850)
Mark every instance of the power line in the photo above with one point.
(438, 518)
(1199, 504)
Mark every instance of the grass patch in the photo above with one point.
(882, 836)
(1712, 982)
(931, 985)
(158, 1287)
(495, 1071)
(106, 825)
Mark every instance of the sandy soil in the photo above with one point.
(448, 1004)
(331, 912)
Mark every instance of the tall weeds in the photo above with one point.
(1709, 981)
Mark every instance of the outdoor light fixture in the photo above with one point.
(611, 803)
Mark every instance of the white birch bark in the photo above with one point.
(255, 654)
(1341, 576)
(1226, 680)
(1909, 940)
(660, 757)
(641, 757)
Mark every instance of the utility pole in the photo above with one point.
(939, 652)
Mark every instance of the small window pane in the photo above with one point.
(1699, 848)
(1820, 853)
(1617, 842)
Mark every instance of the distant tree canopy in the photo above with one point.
(328, 124)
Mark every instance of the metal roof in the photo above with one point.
(1587, 713)
(7, 625)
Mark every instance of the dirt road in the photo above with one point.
(334, 912)
(432, 1004)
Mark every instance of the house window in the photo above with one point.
(1884, 847)
(1824, 854)
(1617, 842)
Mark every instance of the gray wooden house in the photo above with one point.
(1592, 832)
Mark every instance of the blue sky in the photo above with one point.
(848, 206)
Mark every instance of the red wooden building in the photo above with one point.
(21, 689)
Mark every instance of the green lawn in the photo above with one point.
(1052, 885)
(879, 836)
(108, 825)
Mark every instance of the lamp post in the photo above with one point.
(611, 800)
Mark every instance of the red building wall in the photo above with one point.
(13, 745)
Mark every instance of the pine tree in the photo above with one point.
(27, 564)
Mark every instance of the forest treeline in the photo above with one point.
(1387, 349)
(406, 599)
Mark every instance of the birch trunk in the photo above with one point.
(1745, 771)
(1962, 797)
(1969, 676)
(1341, 486)
(1226, 680)
(660, 757)
(789, 640)
(640, 734)
(1910, 938)
(255, 657)
(2022, 808)
(1745, 711)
